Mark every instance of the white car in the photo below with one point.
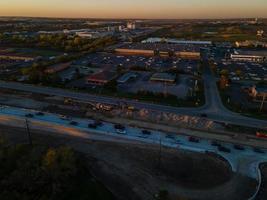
(121, 131)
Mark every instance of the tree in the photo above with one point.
(77, 41)
(163, 195)
(238, 72)
(224, 72)
(224, 82)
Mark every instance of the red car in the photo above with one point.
(261, 134)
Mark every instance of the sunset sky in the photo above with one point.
(135, 8)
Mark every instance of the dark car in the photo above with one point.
(39, 114)
(98, 123)
(119, 127)
(94, 126)
(170, 136)
(215, 143)
(257, 150)
(146, 132)
(224, 149)
(73, 123)
(193, 139)
(239, 147)
(203, 115)
(29, 115)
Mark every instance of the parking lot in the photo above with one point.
(148, 63)
(181, 88)
(247, 71)
(8, 66)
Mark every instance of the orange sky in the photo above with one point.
(135, 9)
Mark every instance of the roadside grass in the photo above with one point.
(239, 109)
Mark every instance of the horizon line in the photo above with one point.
(110, 18)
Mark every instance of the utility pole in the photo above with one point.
(160, 151)
(263, 100)
(28, 132)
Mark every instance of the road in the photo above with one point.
(213, 107)
(244, 161)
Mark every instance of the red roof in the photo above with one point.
(102, 77)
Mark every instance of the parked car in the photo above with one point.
(39, 114)
(146, 132)
(92, 125)
(239, 147)
(170, 136)
(258, 150)
(119, 126)
(215, 143)
(29, 115)
(193, 139)
(98, 123)
(224, 149)
(203, 115)
(63, 117)
(121, 131)
(73, 123)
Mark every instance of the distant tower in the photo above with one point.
(260, 33)
(120, 28)
(131, 25)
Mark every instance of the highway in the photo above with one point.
(248, 157)
(213, 107)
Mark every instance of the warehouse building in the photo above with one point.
(183, 50)
(249, 56)
(163, 77)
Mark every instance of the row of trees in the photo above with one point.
(62, 41)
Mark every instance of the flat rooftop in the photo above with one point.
(165, 47)
(164, 77)
(250, 53)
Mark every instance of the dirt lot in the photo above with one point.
(133, 172)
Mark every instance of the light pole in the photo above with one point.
(28, 132)
(263, 100)
(160, 151)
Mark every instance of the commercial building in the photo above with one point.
(249, 56)
(9, 56)
(250, 43)
(183, 50)
(57, 68)
(163, 77)
(102, 78)
(131, 25)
